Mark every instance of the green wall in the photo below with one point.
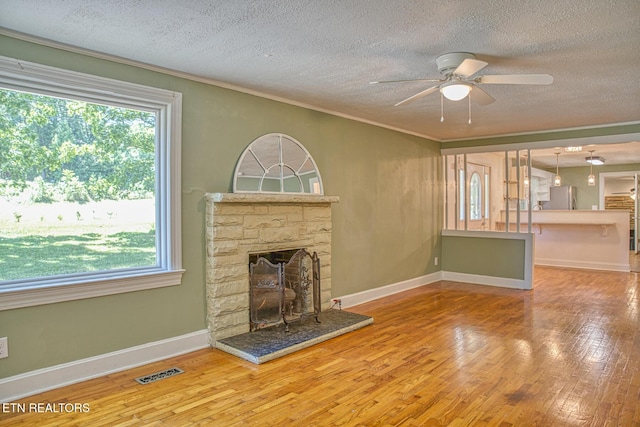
(386, 227)
(484, 256)
(587, 196)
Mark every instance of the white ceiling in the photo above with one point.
(323, 54)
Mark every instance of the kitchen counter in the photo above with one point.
(582, 239)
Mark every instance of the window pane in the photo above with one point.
(461, 197)
(475, 196)
(77, 187)
(487, 197)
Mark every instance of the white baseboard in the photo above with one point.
(478, 279)
(45, 379)
(570, 263)
(383, 291)
(394, 288)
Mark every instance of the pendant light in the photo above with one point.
(591, 180)
(557, 181)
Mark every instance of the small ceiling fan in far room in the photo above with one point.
(458, 70)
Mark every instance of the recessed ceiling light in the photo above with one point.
(573, 149)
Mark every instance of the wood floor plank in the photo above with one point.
(566, 353)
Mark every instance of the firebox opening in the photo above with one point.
(274, 257)
(284, 286)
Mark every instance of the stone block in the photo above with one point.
(286, 210)
(264, 221)
(250, 234)
(324, 250)
(230, 259)
(281, 234)
(227, 232)
(232, 209)
(313, 213)
(314, 227)
(320, 238)
(230, 320)
(227, 220)
(325, 272)
(230, 287)
(230, 273)
(231, 304)
(225, 247)
(261, 210)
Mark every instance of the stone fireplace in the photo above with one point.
(241, 224)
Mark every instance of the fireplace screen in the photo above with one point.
(284, 288)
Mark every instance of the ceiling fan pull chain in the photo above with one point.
(441, 108)
(469, 96)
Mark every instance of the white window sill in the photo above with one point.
(48, 291)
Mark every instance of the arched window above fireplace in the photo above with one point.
(276, 163)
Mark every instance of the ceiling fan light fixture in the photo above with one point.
(456, 90)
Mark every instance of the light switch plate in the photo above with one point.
(4, 348)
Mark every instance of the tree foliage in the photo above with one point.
(80, 150)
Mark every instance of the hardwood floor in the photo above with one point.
(634, 261)
(565, 354)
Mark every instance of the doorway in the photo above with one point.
(618, 190)
(475, 196)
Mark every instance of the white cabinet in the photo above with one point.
(541, 181)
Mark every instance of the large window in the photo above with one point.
(89, 186)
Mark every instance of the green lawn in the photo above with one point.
(38, 240)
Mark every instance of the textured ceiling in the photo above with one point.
(324, 53)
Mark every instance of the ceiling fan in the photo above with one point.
(458, 69)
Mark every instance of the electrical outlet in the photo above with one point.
(4, 347)
(435, 261)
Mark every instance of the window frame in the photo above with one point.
(31, 77)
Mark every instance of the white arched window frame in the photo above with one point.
(277, 163)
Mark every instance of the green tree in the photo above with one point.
(85, 149)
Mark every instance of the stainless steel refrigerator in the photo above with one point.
(561, 198)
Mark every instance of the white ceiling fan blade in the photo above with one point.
(469, 67)
(516, 79)
(408, 80)
(480, 97)
(418, 95)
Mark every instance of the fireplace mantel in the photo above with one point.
(270, 198)
(239, 224)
